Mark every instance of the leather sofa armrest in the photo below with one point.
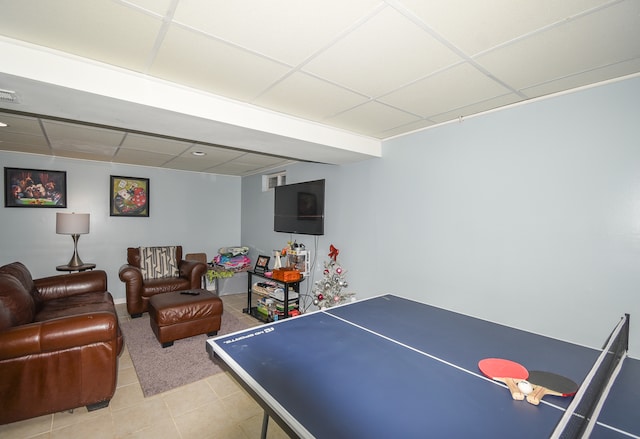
(64, 285)
(193, 270)
(58, 334)
(130, 273)
(132, 278)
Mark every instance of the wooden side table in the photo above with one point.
(83, 267)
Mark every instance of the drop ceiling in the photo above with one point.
(256, 85)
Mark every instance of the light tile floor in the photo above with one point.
(215, 407)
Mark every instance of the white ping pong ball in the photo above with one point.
(525, 387)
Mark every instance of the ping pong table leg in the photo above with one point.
(265, 425)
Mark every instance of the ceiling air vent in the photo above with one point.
(8, 96)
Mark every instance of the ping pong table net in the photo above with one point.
(581, 415)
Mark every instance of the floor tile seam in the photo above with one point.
(51, 420)
(85, 420)
(190, 409)
(83, 417)
(128, 406)
(49, 430)
(211, 386)
(147, 427)
(120, 385)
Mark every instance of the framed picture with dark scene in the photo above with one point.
(262, 264)
(35, 188)
(128, 196)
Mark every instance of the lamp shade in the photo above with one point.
(72, 223)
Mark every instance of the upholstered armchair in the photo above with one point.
(59, 343)
(157, 270)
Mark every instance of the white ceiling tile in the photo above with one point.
(82, 155)
(154, 144)
(216, 154)
(159, 7)
(101, 152)
(68, 136)
(189, 164)
(407, 128)
(372, 118)
(280, 164)
(582, 79)
(286, 30)
(102, 30)
(474, 26)
(478, 107)
(190, 58)
(235, 168)
(445, 91)
(7, 145)
(33, 140)
(577, 46)
(26, 148)
(138, 157)
(22, 132)
(20, 124)
(258, 160)
(386, 52)
(308, 97)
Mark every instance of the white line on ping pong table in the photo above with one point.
(433, 357)
(617, 430)
(262, 393)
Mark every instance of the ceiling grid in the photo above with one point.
(284, 81)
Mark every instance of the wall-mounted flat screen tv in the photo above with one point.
(299, 208)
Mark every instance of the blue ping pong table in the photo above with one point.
(389, 367)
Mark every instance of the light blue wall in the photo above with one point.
(349, 220)
(529, 216)
(199, 211)
(503, 216)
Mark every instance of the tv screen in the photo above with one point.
(299, 208)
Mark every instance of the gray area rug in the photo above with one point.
(186, 361)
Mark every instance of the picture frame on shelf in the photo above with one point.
(128, 196)
(262, 264)
(35, 188)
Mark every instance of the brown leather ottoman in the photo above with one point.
(177, 315)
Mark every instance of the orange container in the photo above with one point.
(286, 275)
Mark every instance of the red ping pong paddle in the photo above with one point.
(547, 383)
(507, 372)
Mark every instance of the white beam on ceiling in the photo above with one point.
(54, 83)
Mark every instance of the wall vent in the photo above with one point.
(8, 96)
(270, 181)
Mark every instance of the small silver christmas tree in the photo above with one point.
(328, 291)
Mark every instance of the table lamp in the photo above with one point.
(74, 224)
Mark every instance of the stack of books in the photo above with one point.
(280, 307)
(263, 308)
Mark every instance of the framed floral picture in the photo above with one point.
(129, 196)
(34, 188)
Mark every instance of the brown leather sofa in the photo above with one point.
(140, 290)
(59, 343)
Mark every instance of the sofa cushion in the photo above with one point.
(16, 304)
(152, 287)
(85, 303)
(158, 262)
